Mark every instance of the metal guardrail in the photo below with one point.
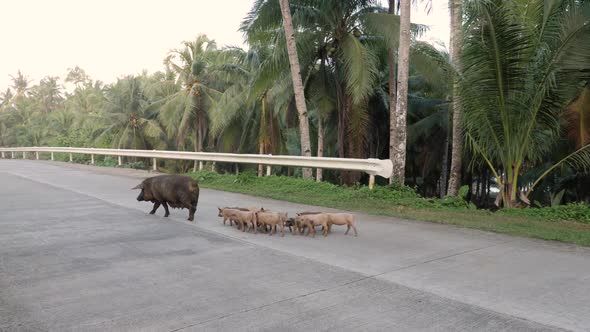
(371, 166)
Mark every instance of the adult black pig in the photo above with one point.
(178, 191)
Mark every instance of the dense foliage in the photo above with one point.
(524, 89)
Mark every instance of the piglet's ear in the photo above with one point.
(139, 186)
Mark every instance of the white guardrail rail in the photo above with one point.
(371, 166)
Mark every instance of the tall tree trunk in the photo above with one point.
(340, 141)
(401, 107)
(392, 98)
(346, 145)
(457, 149)
(297, 84)
(271, 142)
(319, 172)
(445, 168)
(262, 139)
(260, 166)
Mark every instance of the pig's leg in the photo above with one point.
(191, 214)
(347, 229)
(166, 208)
(156, 206)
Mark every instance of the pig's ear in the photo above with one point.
(139, 186)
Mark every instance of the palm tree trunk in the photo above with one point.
(392, 97)
(297, 84)
(319, 172)
(445, 168)
(457, 149)
(260, 166)
(401, 107)
(262, 139)
(346, 145)
(341, 123)
(270, 148)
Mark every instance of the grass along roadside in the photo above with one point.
(569, 224)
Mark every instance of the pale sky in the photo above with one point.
(113, 38)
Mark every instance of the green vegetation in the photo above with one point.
(567, 223)
(519, 84)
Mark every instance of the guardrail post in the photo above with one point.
(213, 167)
(71, 158)
(2, 154)
(92, 159)
(120, 161)
(194, 166)
(268, 167)
(154, 164)
(24, 155)
(200, 165)
(237, 169)
(37, 155)
(371, 181)
(52, 156)
(12, 154)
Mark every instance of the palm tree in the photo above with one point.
(456, 11)
(77, 76)
(297, 83)
(48, 94)
(392, 94)
(20, 84)
(401, 110)
(130, 117)
(87, 98)
(577, 117)
(192, 66)
(338, 33)
(5, 98)
(523, 63)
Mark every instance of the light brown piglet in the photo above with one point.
(342, 219)
(312, 220)
(244, 218)
(272, 219)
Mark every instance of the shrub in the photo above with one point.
(108, 161)
(579, 212)
(136, 165)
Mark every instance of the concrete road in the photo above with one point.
(78, 252)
